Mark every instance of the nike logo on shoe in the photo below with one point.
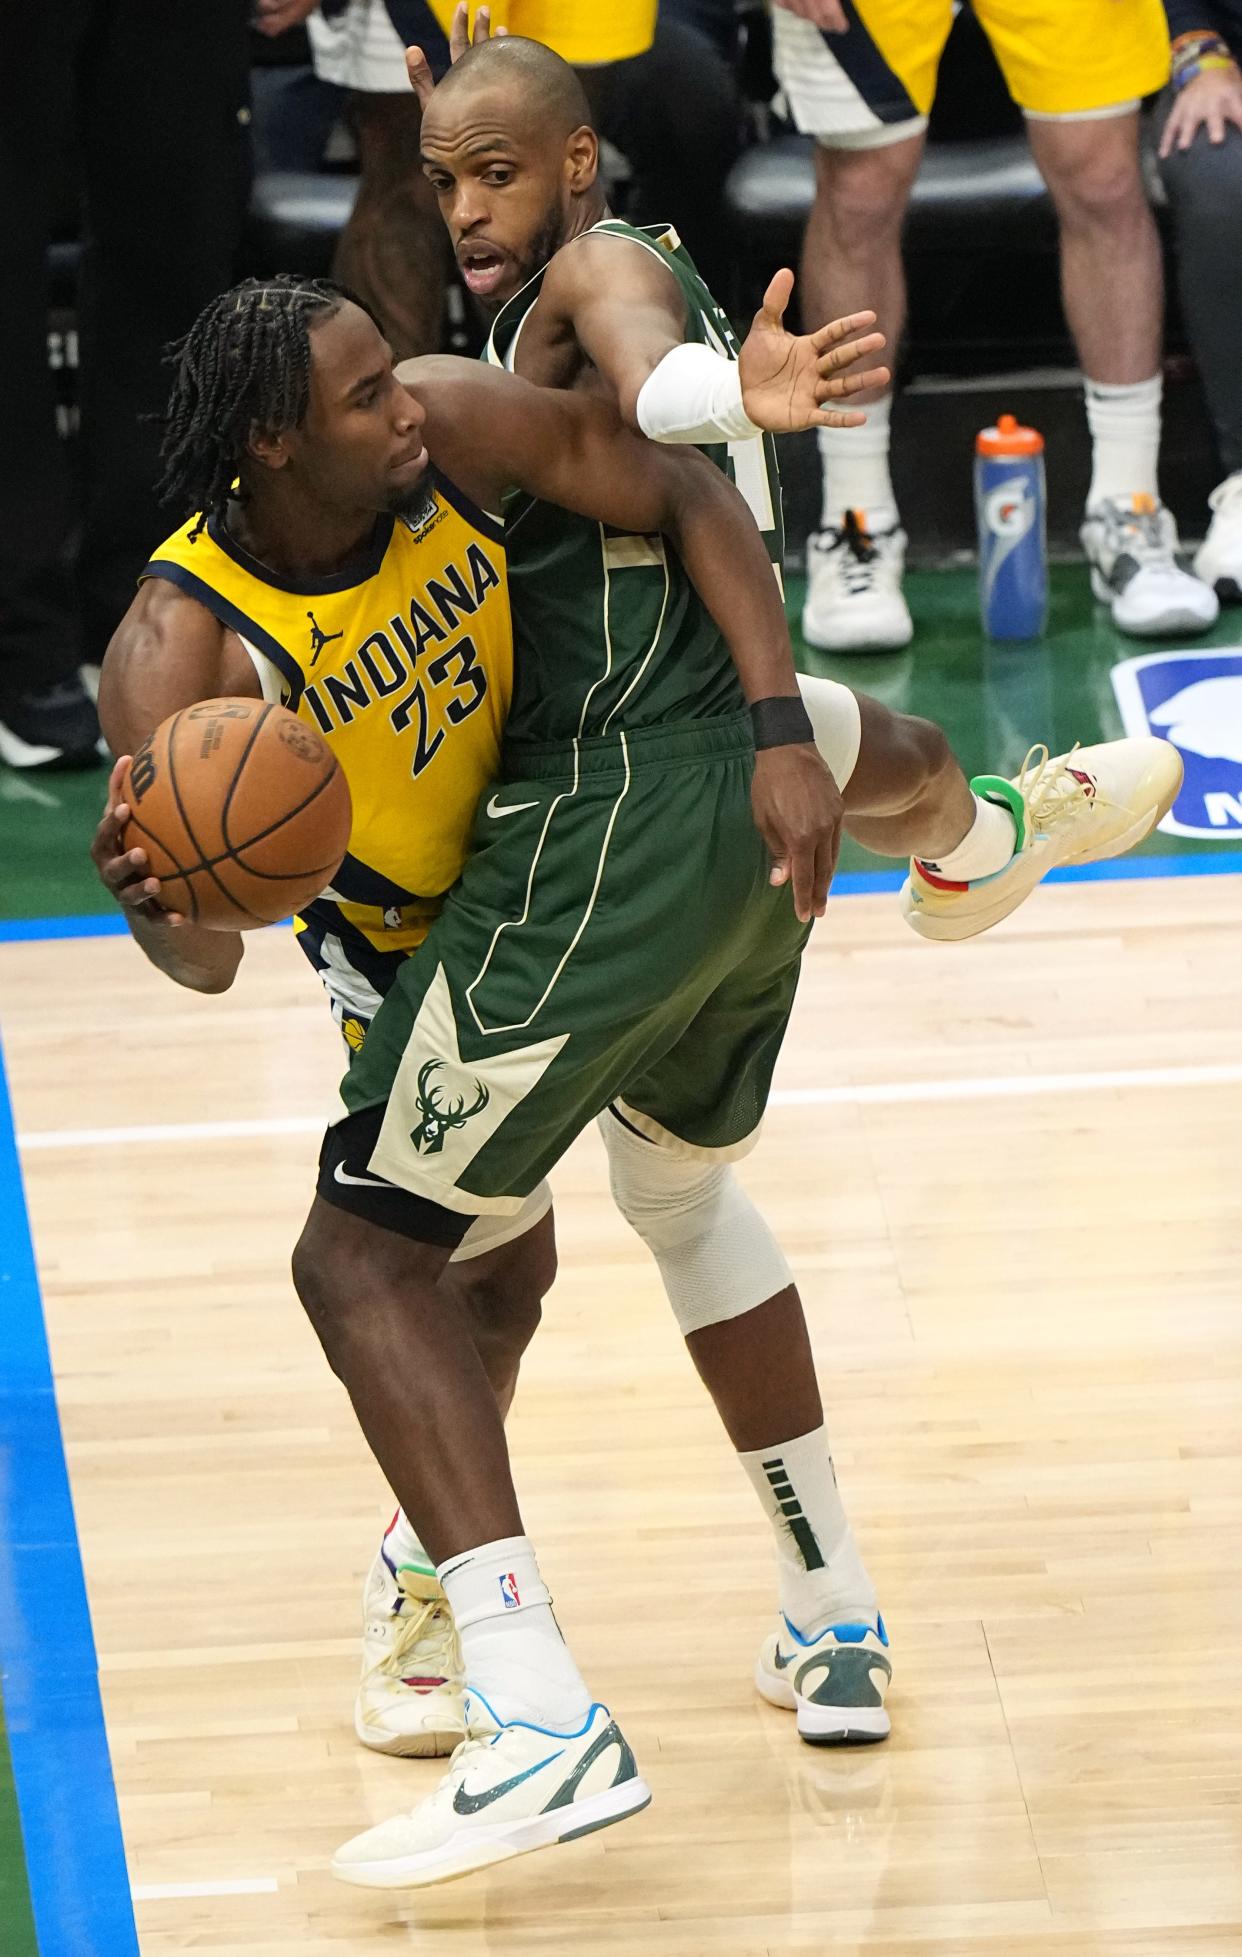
(496, 810)
(464, 1803)
(341, 1174)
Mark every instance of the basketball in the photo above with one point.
(243, 812)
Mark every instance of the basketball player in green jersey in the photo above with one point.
(611, 950)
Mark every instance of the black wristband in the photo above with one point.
(781, 722)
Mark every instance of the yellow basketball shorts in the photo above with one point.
(360, 44)
(876, 83)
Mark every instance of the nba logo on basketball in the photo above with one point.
(1193, 699)
(509, 1591)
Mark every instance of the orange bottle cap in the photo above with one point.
(1009, 437)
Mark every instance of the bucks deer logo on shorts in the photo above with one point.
(438, 1120)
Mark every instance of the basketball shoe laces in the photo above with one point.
(856, 566)
(1053, 791)
(1138, 531)
(429, 1636)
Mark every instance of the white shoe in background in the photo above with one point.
(1132, 550)
(1218, 560)
(854, 600)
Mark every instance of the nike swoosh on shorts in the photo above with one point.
(340, 1174)
(496, 810)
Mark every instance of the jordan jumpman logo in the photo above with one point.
(320, 639)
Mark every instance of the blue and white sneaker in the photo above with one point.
(836, 1682)
(511, 1789)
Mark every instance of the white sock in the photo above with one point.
(854, 462)
(822, 1577)
(514, 1654)
(402, 1547)
(1125, 438)
(985, 848)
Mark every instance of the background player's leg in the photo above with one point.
(394, 251)
(1113, 287)
(851, 258)
(1204, 187)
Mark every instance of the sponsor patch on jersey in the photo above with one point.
(1193, 699)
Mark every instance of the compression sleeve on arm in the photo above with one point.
(694, 395)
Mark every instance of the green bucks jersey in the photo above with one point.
(608, 631)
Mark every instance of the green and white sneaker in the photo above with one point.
(512, 1789)
(836, 1682)
(1079, 807)
(410, 1697)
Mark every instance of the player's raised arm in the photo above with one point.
(167, 653)
(490, 431)
(626, 311)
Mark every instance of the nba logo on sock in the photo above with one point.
(1193, 699)
(509, 1591)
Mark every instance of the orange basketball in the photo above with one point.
(242, 809)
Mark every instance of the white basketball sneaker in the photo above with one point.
(1131, 548)
(836, 1682)
(1071, 808)
(854, 600)
(410, 1697)
(510, 1790)
(1218, 560)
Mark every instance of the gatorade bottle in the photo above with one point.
(1013, 550)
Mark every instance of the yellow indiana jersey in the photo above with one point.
(405, 665)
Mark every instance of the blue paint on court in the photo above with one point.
(75, 1859)
(850, 883)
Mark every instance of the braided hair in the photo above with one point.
(244, 362)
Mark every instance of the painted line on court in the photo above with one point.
(58, 1746)
(881, 1093)
(167, 1892)
(850, 883)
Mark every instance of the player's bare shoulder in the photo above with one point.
(169, 651)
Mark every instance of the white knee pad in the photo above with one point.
(717, 1256)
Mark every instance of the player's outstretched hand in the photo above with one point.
(125, 874)
(798, 811)
(417, 67)
(789, 379)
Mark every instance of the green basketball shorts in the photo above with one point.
(614, 938)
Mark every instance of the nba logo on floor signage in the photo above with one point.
(1193, 699)
(509, 1591)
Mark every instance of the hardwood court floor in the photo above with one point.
(1027, 1305)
